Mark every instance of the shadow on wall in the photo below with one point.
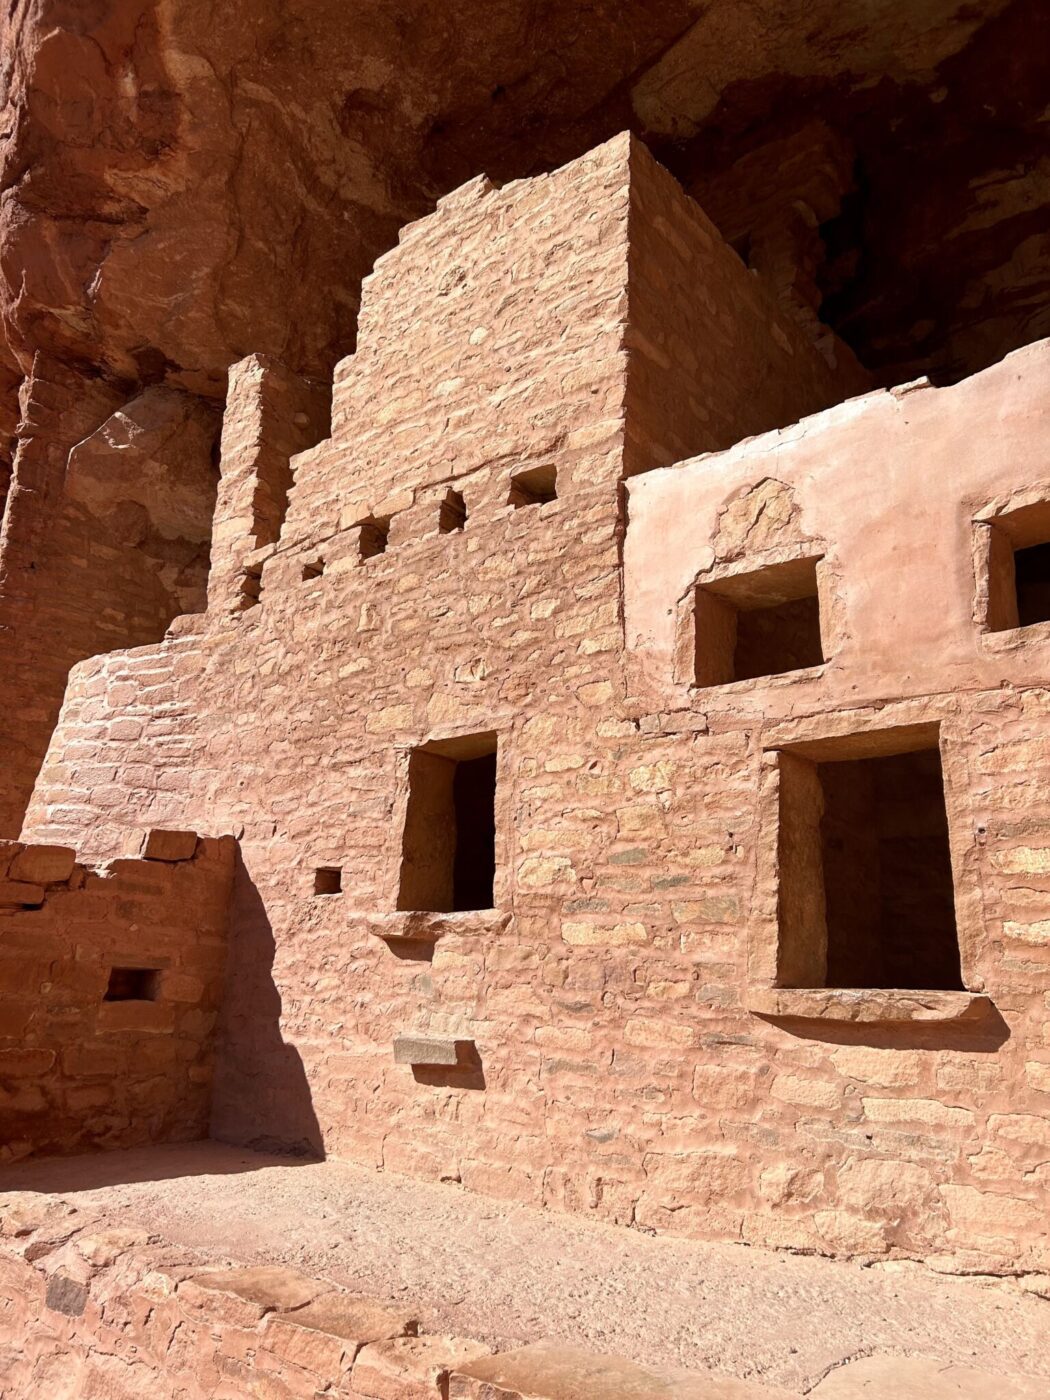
(262, 1099)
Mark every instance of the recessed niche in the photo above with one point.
(866, 897)
(537, 486)
(452, 515)
(374, 536)
(312, 570)
(763, 623)
(250, 587)
(328, 879)
(132, 984)
(448, 855)
(1017, 561)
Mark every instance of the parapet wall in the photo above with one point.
(110, 983)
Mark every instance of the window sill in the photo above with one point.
(865, 1005)
(423, 926)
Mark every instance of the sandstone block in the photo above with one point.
(330, 1331)
(20, 893)
(169, 845)
(244, 1296)
(43, 865)
(423, 1050)
(411, 1368)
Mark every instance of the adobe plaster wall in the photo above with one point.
(618, 1068)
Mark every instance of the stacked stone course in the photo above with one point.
(81, 1070)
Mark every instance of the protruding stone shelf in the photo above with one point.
(422, 926)
(864, 1005)
(432, 1050)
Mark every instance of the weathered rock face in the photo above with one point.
(184, 185)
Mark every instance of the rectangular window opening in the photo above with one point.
(313, 569)
(764, 623)
(452, 515)
(132, 984)
(536, 487)
(448, 859)
(328, 879)
(1017, 546)
(866, 894)
(1032, 581)
(375, 536)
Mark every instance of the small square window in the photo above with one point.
(312, 570)
(536, 487)
(132, 984)
(1015, 568)
(452, 515)
(865, 894)
(375, 536)
(763, 623)
(328, 879)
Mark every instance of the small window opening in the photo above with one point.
(536, 487)
(453, 513)
(251, 586)
(375, 536)
(1032, 580)
(1018, 565)
(314, 569)
(132, 984)
(866, 893)
(758, 624)
(328, 879)
(448, 859)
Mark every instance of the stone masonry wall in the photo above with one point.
(80, 1068)
(592, 1040)
(105, 540)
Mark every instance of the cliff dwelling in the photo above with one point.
(525, 640)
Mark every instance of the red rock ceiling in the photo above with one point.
(185, 182)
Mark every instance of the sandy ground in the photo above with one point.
(508, 1274)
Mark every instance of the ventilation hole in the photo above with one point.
(132, 984)
(452, 515)
(328, 879)
(251, 586)
(313, 570)
(536, 487)
(375, 536)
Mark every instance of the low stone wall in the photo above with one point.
(89, 1310)
(110, 983)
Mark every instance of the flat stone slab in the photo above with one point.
(354, 1318)
(254, 1291)
(425, 1050)
(921, 1378)
(549, 1370)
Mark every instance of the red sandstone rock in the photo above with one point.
(553, 1371)
(43, 865)
(169, 845)
(920, 1378)
(411, 1368)
(244, 1296)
